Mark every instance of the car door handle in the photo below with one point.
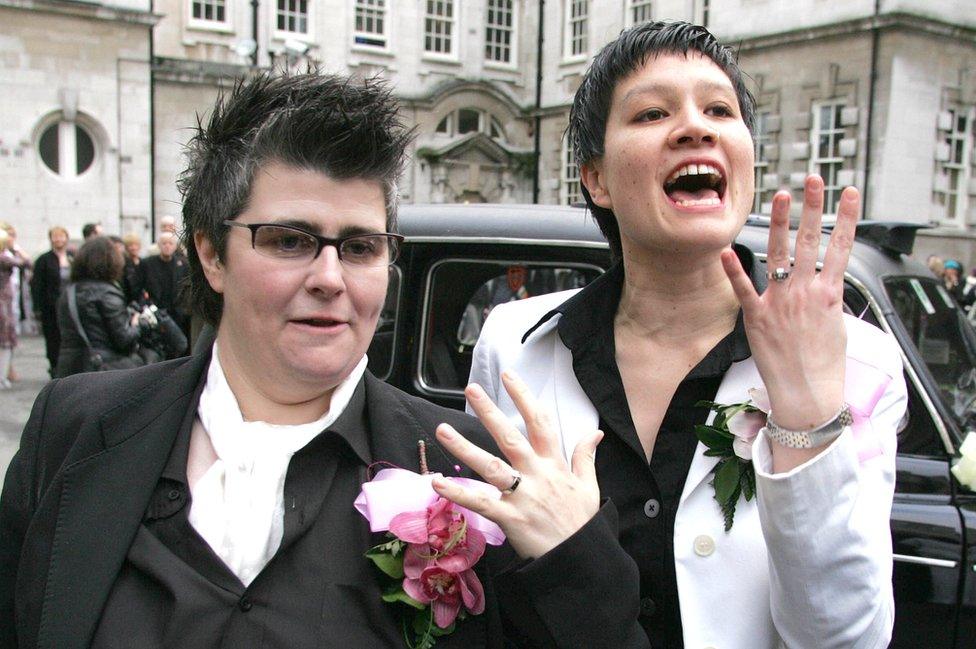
(926, 561)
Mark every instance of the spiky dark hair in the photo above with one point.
(332, 124)
(618, 59)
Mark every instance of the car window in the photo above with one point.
(381, 348)
(460, 295)
(943, 338)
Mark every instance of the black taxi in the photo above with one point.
(459, 261)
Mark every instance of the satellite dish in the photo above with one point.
(245, 48)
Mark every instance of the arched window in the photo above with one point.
(66, 148)
(471, 120)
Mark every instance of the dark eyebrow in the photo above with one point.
(313, 228)
(668, 89)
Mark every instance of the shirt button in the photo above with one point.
(647, 607)
(245, 604)
(704, 545)
(652, 508)
(174, 494)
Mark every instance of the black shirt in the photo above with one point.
(174, 591)
(646, 494)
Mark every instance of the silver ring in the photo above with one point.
(779, 275)
(516, 481)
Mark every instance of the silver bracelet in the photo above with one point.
(819, 436)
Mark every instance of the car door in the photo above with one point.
(929, 534)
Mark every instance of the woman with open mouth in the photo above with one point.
(752, 478)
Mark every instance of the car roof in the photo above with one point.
(500, 222)
(573, 225)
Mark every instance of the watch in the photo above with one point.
(818, 436)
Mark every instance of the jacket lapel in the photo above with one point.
(102, 501)
(734, 388)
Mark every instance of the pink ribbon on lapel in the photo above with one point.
(395, 491)
(863, 387)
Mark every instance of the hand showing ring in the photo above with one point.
(543, 502)
(796, 328)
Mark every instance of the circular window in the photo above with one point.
(66, 149)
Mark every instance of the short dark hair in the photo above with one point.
(328, 123)
(88, 230)
(98, 259)
(621, 57)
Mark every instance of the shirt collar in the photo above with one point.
(595, 305)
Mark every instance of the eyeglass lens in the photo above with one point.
(360, 250)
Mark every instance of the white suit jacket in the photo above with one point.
(808, 561)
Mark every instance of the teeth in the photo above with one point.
(704, 201)
(694, 170)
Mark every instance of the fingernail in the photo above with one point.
(445, 431)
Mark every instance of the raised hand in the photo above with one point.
(795, 328)
(543, 502)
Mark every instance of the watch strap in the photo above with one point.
(819, 436)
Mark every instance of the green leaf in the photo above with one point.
(726, 479)
(391, 565)
(713, 437)
(728, 508)
(719, 452)
(748, 480)
(395, 593)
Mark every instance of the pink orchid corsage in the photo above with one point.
(433, 547)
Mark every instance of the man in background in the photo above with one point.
(161, 277)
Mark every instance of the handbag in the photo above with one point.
(95, 361)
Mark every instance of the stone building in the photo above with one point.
(877, 93)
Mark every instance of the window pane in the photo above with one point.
(48, 148)
(463, 293)
(84, 149)
(467, 121)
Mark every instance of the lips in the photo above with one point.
(323, 323)
(696, 184)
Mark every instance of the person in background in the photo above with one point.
(19, 282)
(936, 265)
(51, 272)
(162, 276)
(9, 261)
(91, 230)
(133, 248)
(113, 332)
(952, 279)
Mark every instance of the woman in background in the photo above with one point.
(10, 260)
(51, 272)
(113, 333)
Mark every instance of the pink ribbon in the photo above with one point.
(863, 387)
(395, 491)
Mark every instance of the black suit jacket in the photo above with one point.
(46, 285)
(92, 453)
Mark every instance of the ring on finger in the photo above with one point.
(516, 481)
(780, 274)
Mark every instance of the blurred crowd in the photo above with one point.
(99, 305)
(961, 286)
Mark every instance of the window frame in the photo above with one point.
(568, 53)
(958, 196)
(513, 33)
(67, 147)
(569, 175)
(419, 366)
(817, 164)
(761, 165)
(454, 21)
(224, 26)
(282, 34)
(631, 8)
(384, 13)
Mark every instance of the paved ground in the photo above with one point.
(15, 403)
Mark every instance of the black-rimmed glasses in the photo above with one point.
(288, 242)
